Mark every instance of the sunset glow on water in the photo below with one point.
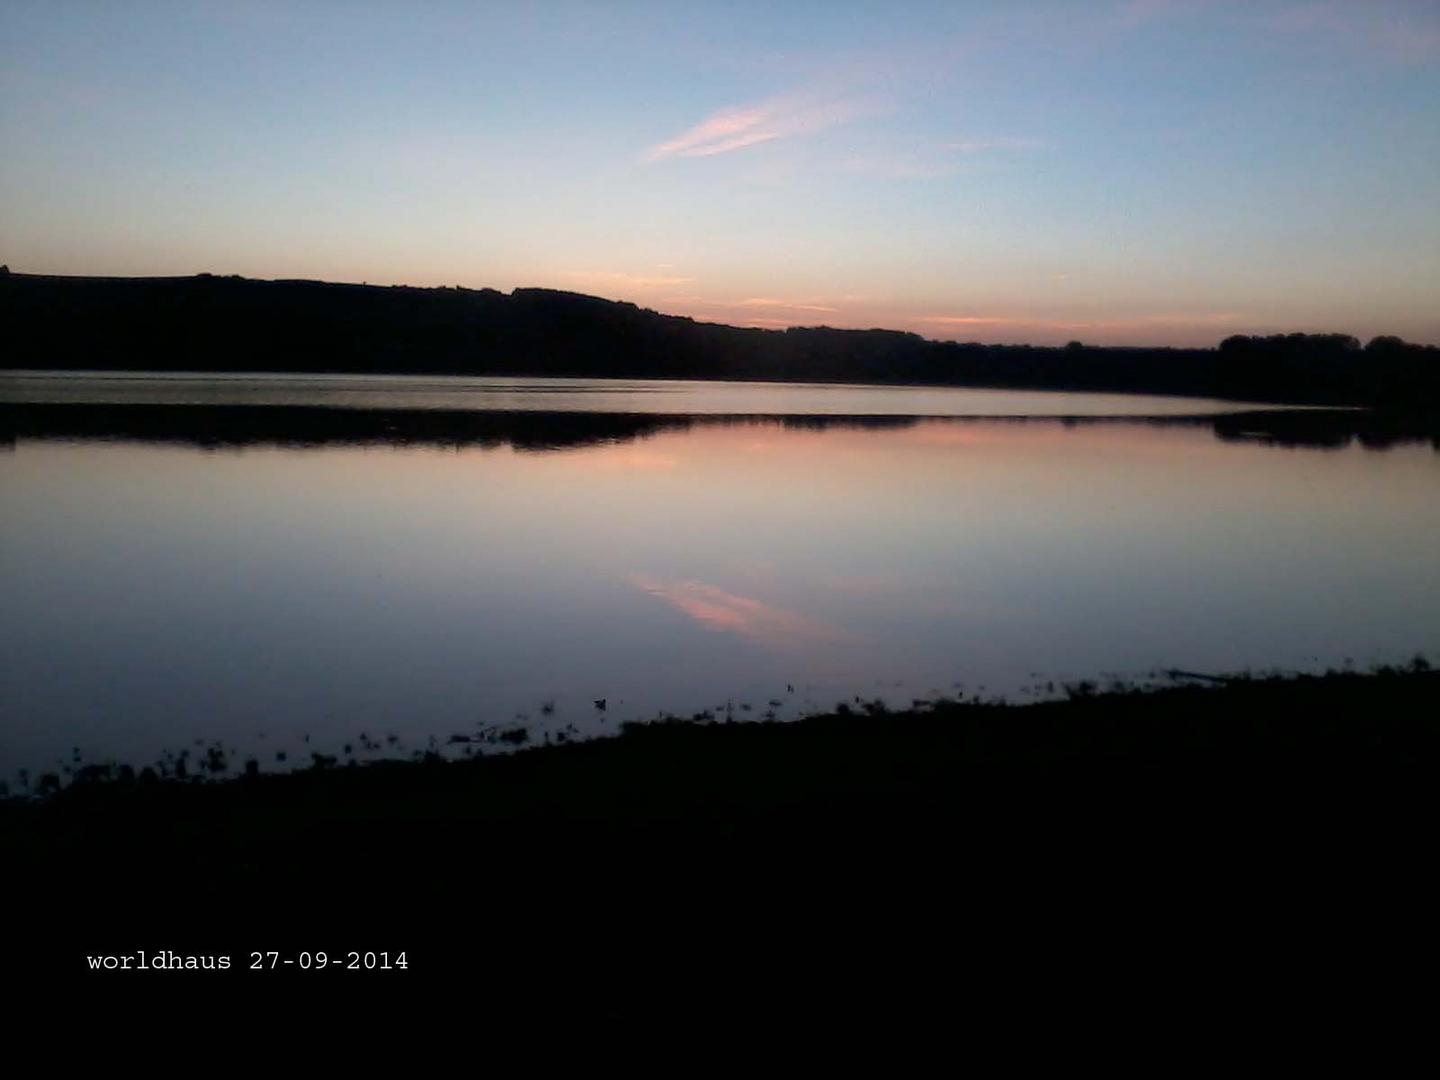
(162, 593)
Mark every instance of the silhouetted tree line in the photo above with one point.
(1333, 368)
(209, 323)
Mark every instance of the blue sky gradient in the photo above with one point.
(1117, 172)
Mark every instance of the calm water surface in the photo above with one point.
(672, 547)
(575, 395)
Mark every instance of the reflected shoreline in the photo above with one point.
(302, 427)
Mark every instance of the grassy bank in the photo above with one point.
(719, 774)
(708, 838)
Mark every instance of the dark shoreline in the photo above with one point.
(697, 844)
(238, 426)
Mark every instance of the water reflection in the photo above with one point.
(217, 426)
(715, 609)
(361, 582)
(498, 394)
(1325, 430)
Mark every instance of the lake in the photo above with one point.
(284, 565)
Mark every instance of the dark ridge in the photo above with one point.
(216, 426)
(210, 324)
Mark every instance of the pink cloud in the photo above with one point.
(964, 320)
(738, 128)
(1210, 318)
(618, 279)
(746, 312)
(1193, 327)
(769, 302)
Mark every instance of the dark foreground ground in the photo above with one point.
(1226, 840)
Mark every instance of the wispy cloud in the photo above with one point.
(727, 130)
(965, 320)
(1217, 319)
(771, 302)
(767, 323)
(620, 280)
(745, 312)
(1212, 320)
(715, 609)
(740, 127)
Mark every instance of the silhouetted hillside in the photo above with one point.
(209, 323)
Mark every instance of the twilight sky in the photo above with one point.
(1141, 172)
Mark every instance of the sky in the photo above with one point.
(1129, 172)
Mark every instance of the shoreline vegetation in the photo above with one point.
(958, 717)
(210, 323)
(723, 773)
(693, 853)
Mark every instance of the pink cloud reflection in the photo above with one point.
(715, 609)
